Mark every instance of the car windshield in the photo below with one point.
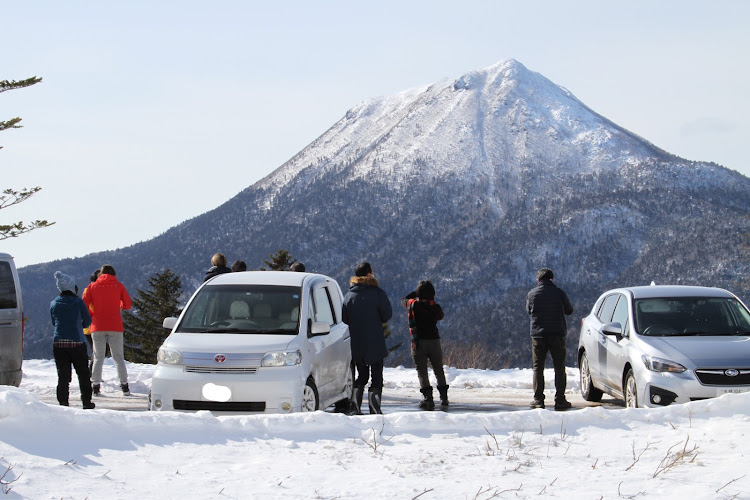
(246, 309)
(686, 316)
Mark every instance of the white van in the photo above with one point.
(11, 323)
(256, 341)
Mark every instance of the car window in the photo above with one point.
(243, 309)
(621, 313)
(323, 310)
(8, 299)
(608, 307)
(691, 316)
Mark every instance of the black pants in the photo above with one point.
(363, 375)
(77, 358)
(428, 350)
(540, 346)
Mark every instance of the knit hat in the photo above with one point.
(65, 282)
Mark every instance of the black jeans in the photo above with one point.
(363, 375)
(428, 350)
(540, 346)
(78, 358)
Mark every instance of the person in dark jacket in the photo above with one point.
(424, 313)
(69, 316)
(548, 305)
(218, 266)
(366, 308)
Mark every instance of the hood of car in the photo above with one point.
(228, 343)
(719, 351)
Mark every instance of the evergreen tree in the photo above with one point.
(282, 260)
(143, 331)
(12, 197)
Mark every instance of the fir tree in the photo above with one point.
(143, 331)
(12, 197)
(282, 260)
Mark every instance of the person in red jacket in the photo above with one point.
(106, 297)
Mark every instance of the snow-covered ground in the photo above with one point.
(699, 450)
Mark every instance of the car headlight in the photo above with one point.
(282, 358)
(169, 356)
(662, 365)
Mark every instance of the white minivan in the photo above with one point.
(256, 341)
(11, 323)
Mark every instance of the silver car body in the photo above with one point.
(668, 364)
(11, 323)
(301, 363)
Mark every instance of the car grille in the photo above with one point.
(228, 369)
(231, 363)
(718, 376)
(182, 404)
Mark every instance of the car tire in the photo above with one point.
(310, 398)
(344, 405)
(630, 390)
(588, 391)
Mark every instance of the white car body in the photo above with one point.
(11, 323)
(303, 364)
(656, 345)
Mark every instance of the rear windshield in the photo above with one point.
(8, 299)
(247, 309)
(691, 316)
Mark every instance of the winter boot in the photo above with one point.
(125, 390)
(88, 405)
(373, 398)
(96, 389)
(62, 395)
(356, 408)
(427, 402)
(443, 390)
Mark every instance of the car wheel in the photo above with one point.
(588, 391)
(310, 398)
(631, 390)
(344, 405)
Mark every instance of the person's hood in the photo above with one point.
(363, 281)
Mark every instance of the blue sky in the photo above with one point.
(151, 113)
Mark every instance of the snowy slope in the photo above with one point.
(696, 451)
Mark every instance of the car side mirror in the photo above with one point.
(319, 328)
(169, 323)
(612, 329)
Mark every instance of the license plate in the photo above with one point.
(736, 390)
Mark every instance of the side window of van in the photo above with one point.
(323, 311)
(8, 299)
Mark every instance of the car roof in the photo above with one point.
(654, 291)
(282, 278)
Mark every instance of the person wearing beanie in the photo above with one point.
(424, 313)
(366, 308)
(106, 297)
(69, 316)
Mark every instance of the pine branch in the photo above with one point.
(13, 84)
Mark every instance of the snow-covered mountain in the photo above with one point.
(473, 183)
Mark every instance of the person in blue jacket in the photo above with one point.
(69, 317)
(366, 308)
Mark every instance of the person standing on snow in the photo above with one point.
(106, 297)
(69, 316)
(424, 313)
(366, 307)
(548, 305)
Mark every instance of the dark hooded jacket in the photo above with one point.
(548, 305)
(366, 308)
(215, 271)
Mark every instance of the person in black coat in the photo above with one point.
(548, 305)
(218, 266)
(366, 308)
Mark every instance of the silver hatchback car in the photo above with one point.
(657, 345)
